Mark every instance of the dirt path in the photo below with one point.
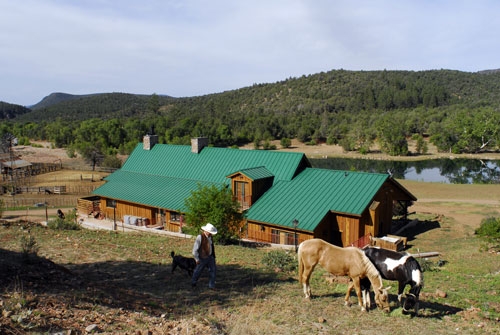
(33, 214)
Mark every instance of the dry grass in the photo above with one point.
(123, 283)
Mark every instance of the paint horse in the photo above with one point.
(349, 261)
(399, 267)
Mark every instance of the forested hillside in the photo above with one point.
(458, 110)
(11, 111)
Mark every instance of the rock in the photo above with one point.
(92, 329)
(440, 294)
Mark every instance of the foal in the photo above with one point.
(348, 261)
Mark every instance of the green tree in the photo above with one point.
(111, 161)
(421, 145)
(153, 103)
(392, 135)
(215, 205)
(285, 142)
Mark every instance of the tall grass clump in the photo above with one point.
(489, 230)
(29, 246)
(280, 260)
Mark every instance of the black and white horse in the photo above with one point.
(400, 267)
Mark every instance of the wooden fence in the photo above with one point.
(55, 201)
(26, 172)
(60, 189)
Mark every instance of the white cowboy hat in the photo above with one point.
(209, 228)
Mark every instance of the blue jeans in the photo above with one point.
(212, 270)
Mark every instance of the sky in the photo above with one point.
(187, 48)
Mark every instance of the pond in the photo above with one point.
(443, 170)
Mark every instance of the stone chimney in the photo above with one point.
(198, 143)
(149, 141)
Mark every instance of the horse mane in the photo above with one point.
(371, 272)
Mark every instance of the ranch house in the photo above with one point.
(284, 199)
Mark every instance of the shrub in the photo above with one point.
(279, 259)
(215, 205)
(71, 152)
(489, 230)
(427, 265)
(68, 223)
(285, 142)
(268, 146)
(29, 246)
(111, 161)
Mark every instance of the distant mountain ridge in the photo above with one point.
(489, 71)
(334, 91)
(56, 98)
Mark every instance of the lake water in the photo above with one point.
(449, 171)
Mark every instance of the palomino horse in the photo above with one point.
(338, 261)
(399, 267)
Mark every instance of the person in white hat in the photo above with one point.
(204, 254)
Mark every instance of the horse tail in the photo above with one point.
(301, 263)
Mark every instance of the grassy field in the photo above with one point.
(122, 282)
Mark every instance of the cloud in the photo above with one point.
(195, 47)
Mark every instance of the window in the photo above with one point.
(290, 238)
(175, 217)
(239, 192)
(275, 236)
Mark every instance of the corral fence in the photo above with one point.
(53, 190)
(26, 172)
(66, 201)
(89, 168)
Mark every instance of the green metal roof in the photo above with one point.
(313, 193)
(256, 173)
(211, 164)
(157, 191)
(165, 175)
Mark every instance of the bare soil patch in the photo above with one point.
(44, 152)
(323, 150)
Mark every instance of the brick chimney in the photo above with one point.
(149, 141)
(198, 143)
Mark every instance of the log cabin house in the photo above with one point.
(284, 199)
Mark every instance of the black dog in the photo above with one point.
(185, 263)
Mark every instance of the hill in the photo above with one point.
(350, 108)
(10, 111)
(56, 98)
(333, 91)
